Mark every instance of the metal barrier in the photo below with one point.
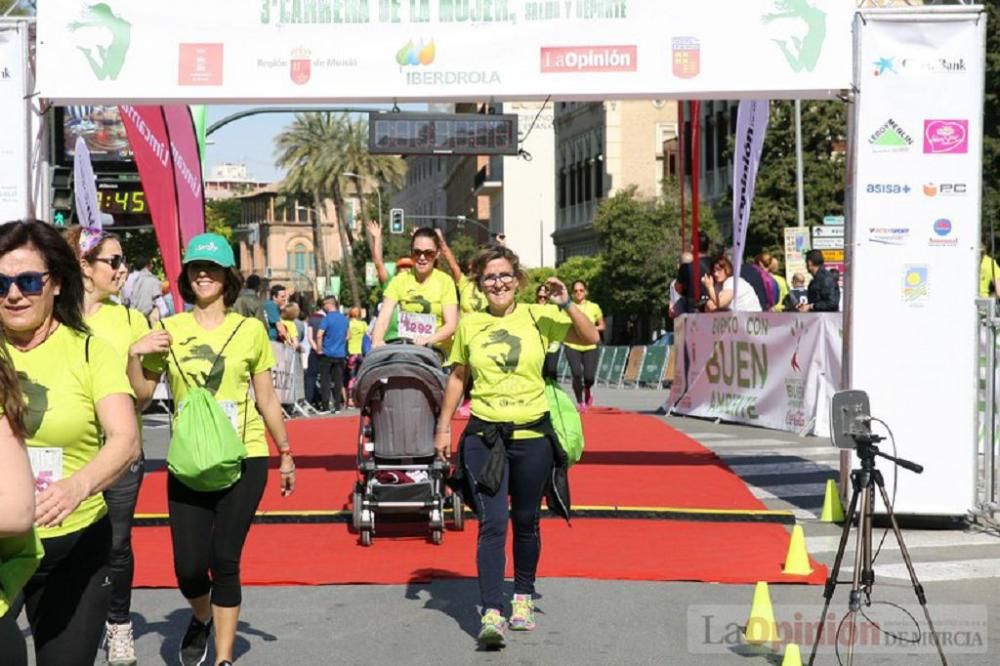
(654, 362)
(988, 410)
(633, 367)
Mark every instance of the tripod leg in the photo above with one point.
(831, 581)
(918, 589)
(861, 548)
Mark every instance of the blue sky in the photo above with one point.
(251, 140)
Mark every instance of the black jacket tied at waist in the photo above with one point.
(496, 436)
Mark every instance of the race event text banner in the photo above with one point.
(913, 243)
(15, 163)
(193, 51)
(751, 127)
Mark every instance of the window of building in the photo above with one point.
(572, 185)
(580, 171)
(562, 188)
(588, 181)
(299, 258)
(599, 176)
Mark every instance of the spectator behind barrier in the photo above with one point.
(824, 293)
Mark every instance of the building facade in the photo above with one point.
(602, 148)
(230, 180)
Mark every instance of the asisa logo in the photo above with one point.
(413, 55)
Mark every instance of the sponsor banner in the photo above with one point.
(751, 128)
(147, 133)
(771, 369)
(287, 373)
(246, 50)
(15, 160)
(916, 226)
(187, 171)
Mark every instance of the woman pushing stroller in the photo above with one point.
(508, 448)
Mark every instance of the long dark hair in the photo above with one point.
(61, 262)
(426, 232)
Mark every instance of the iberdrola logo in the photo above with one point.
(413, 55)
(105, 58)
(801, 32)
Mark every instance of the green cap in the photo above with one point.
(210, 247)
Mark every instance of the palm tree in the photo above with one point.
(306, 150)
(382, 169)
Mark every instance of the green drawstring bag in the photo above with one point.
(565, 421)
(19, 558)
(206, 453)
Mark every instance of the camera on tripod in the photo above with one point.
(850, 419)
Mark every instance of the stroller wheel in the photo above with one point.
(356, 510)
(437, 536)
(366, 538)
(457, 512)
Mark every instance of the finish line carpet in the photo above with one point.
(631, 461)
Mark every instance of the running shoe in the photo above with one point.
(194, 647)
(523, 616)
(581, 407)
(491, 633)
(119, 646)
(588, 399)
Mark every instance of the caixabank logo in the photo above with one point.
(418, 63)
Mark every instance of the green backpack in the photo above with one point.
(563, 413)
(206, 453)
(19, 558)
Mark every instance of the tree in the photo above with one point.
(222, 216)
(991, 122)
(824, 130)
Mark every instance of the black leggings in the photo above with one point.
(66, 600)
(209, 530)
(583, 365)
(529, 466)
(121, 499)
(331, 369)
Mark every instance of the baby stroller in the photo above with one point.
(399, 391)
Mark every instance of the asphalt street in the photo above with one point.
(608, 622)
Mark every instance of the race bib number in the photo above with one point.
(232, 411)
(46, 466)
(413, 325)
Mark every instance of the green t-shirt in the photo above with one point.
(505, 355)
(988, 272)
(594, 314)
(427, 297)
(247, 354)
(61, 391)
(470, 298)
(356, 335)
(121, 327)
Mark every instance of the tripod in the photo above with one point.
(864, 482)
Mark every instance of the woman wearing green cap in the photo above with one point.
(225, 353)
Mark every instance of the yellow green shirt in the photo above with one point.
(247, 354)
(470, 298)
(291, 330)
(61, 390)
(356, 330)
(119, 326)
(427, 297)
(505, 355)
(594, 314)
(988, 268)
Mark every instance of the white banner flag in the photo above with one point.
(88, 209)
(14, 158)
(751, 127)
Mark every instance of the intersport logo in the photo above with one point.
(563, 59)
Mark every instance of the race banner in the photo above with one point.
(184, 151)
(288, 374)
(913, 238)
(243, 51)
(769, 369)
(751, 127)
(147, 134)
(15, 160)
(88, 210)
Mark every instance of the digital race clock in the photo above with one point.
(123, 201)
(442, 134)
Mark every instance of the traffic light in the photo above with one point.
(396, 221)
(60, 196)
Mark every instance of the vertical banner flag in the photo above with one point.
(147, 133)
(15, 160)
(187, 171)
(913, 233)
(88, 210)
(751, 126)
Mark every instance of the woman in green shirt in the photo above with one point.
(583, 358)
(507, 450)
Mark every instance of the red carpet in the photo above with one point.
(630, 461)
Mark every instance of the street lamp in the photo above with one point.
(378, 191)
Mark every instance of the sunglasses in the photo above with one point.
(115, 261)
(425, 254)
(542, 297)
(29, 283)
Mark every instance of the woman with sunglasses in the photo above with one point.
(508, 456)
(226, 353)
(81, 434)
(102, 263)
(425, 296)
(583, 358)
(719, 287)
